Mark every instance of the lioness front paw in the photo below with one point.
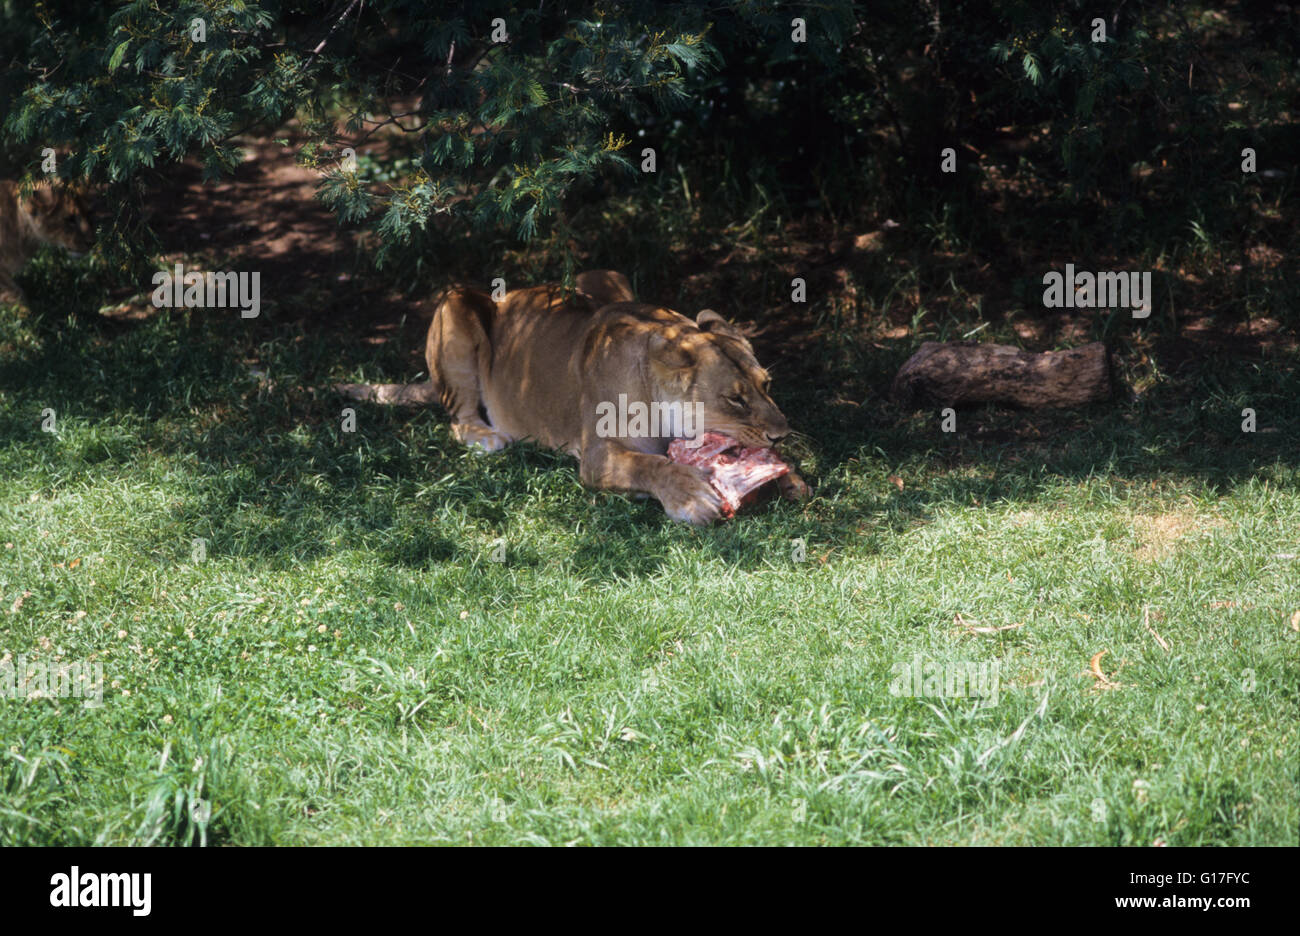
(482, 438)
(688, 497)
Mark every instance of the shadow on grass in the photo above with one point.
(276, 479)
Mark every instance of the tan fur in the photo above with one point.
(48, 215)
(536, 365)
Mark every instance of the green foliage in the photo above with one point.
(499, 131)
(518, 135)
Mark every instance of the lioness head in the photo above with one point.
(60, 215)
(714, 365)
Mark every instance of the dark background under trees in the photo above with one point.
(775, 159)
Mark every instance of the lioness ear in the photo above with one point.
(710, 321)
(605, 286)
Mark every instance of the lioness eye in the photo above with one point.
(736, 401)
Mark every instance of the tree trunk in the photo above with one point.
(955, 374)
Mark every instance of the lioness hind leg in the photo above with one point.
(457, 352)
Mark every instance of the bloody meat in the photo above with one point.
(735, 471)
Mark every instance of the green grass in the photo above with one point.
(347, 665)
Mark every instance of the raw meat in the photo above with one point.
(735, 471)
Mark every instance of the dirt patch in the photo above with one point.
(267, 218)
(1159, 535)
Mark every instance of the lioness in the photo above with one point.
(538, 365)
(51, 214)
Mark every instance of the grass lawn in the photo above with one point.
(343, 661)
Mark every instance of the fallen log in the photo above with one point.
(965, 374)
